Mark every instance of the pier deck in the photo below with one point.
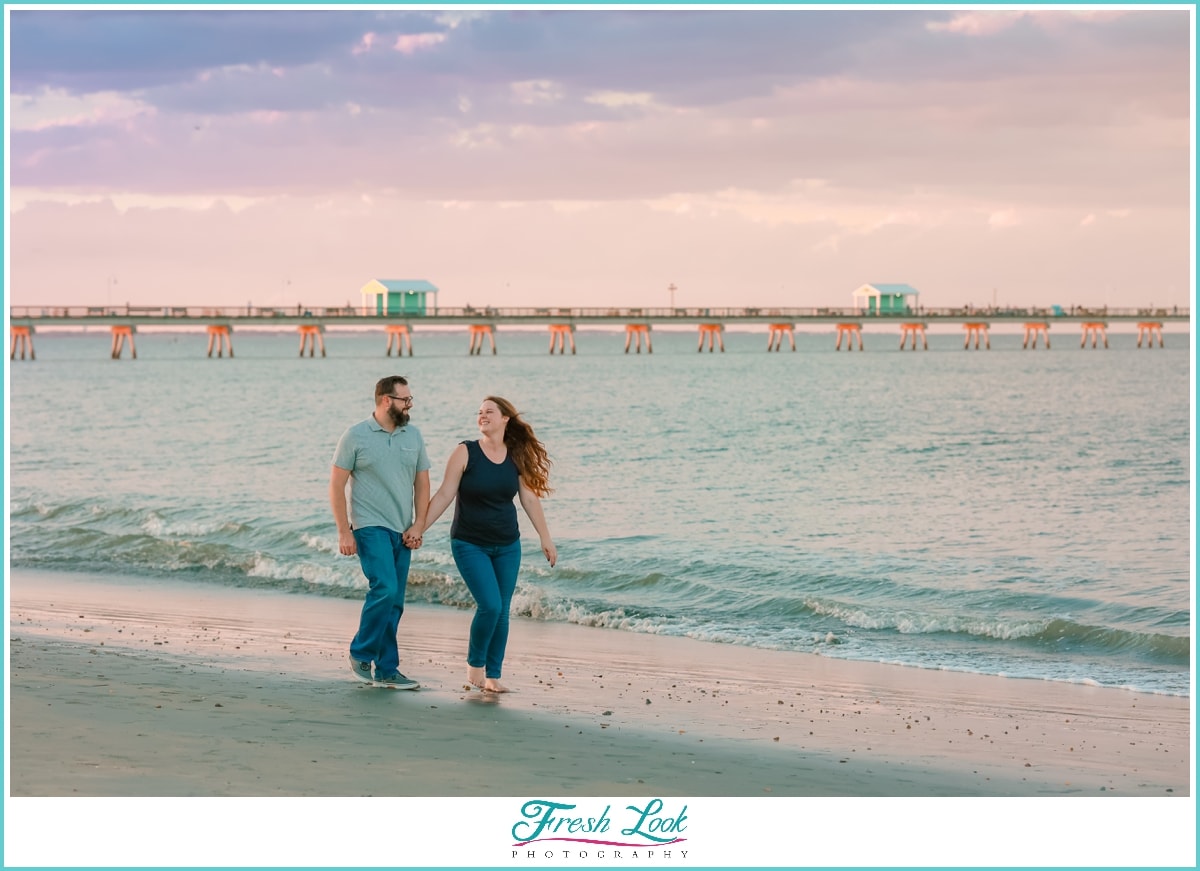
(482, 323)
(202, 316)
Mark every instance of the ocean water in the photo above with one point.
(1023, 513)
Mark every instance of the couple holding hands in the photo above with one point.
(385, 511)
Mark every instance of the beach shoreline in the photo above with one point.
(131, 687)
(1033, 737)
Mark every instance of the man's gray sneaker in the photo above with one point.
(362, 670)
(397, 681)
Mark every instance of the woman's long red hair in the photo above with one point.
(529, 454)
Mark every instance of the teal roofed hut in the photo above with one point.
(886, 299)
(386, 296)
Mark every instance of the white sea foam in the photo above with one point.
(156, 525)
(325, 575)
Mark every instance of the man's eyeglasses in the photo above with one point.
(407, 400)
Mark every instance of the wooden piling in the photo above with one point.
(1033, 329)
(850, 331)
(712, 331)
(976, 329)
(636, 332)
(219, 335)
(310, 336)
(478, 332)
(775, 337)
(401, 334)
(21, 336)
(913, 329)
(119, 335)
(1150, 329)
(1095, 329)
(559, 335)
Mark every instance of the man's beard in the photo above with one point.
(400, 418)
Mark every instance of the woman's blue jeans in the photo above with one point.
(491, 576)
(384, 559)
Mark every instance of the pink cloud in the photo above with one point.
(410, 43)
(977, 23)
(365, 44)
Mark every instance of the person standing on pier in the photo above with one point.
(482, 478)
(384, 460)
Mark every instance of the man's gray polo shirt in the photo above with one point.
(382, 468)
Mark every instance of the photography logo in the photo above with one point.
(555, 830)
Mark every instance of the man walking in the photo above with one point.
(384, 461)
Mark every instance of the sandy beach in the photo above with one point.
(134, 688)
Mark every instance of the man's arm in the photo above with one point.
(412, 537)
(341, 514)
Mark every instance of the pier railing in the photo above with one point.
(358, 315)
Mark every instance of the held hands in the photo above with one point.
(348, 547)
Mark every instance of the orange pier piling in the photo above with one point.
(775, 337)
(311, 335)
(478, 331)
(219, 335)
(119, 335)
(713, 332)
(636, 332)
(1033, 329)
(977, 329)
(1150, 329)
(401, 335)
(1095, 329)
(849, 331)
(913, 329)
(23, 336)
(560, 334)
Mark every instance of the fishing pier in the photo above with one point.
(481, 324)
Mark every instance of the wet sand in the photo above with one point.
(124, 687)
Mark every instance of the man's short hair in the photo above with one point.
(387, 386)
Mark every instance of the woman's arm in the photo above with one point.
(533, 507)
(449, 488)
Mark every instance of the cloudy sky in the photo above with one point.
(594, 157)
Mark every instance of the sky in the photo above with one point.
(596, 157)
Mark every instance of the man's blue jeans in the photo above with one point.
(491, 576)
(384, 559)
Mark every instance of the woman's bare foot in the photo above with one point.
(494, 686)
(475, 676)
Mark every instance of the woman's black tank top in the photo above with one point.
(484, 513)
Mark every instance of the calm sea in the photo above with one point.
(1012, 512)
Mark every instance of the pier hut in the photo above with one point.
(398, 297)
(886, 299)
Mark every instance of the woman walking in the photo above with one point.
(482, 477)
